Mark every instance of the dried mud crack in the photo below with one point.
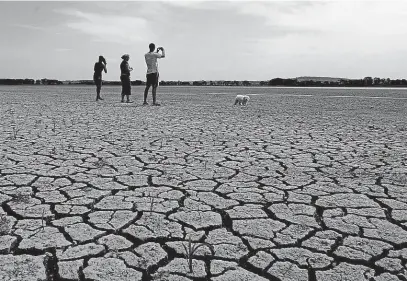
(284, 192)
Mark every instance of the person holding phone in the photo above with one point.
(99, 67)
(152, 72)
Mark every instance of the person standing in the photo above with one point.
(125, 77)
(100, 66)
(152, 72)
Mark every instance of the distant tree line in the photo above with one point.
(291, 82)
(294, 82)
(114, 83)
(30, 82)
(206, 83)
(365, 82)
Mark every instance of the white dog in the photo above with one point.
(241, 99)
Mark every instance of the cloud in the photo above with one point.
(330, 16)
(342, 29)
(109, 28)
(63, 49)
(28, 26)
(185, 4)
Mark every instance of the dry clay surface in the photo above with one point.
(299, 185)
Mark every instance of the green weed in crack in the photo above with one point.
(3, 158)
(37, 124)
(143, 264)
(10, 111)
(54, 125)
(71, 147)
(87, 131)
(400, 179)
(4, 227)
(151, 205)
(128, 147)
(42, 219)
(288, 269)
(162, 275)
(191, 249)
(173, 177)
(21, 198)
(14, 133)
(100, 164)
(368, 274)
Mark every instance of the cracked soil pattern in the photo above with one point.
(301, 184)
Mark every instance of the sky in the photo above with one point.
(205, 40)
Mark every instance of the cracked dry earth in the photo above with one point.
(299, 185)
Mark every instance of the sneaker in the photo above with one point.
(129, 101)
(122, 101)
(100, 98)
(145, 103)
(156, 104)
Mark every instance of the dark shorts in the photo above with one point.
(152, 79)
(126, 85)
(98, 81)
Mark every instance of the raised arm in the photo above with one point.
(162, 51)
(104, 68)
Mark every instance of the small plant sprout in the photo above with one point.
(37, 123)
(162, 275)
(368, 274)
(4, 227)
(15, 133)
(308, 263)
(42, 219)
(71, 147)
(54, 125)
(288, 269)
(128, 147)
(88, 136)
(100, 164)
(191, 249)
(151, 204)
(21, 198)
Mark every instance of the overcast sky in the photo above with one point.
(210, 40)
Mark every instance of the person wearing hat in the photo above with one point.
(125, 77)
(100, 66)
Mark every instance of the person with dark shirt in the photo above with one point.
(125, 77)
(100, 66)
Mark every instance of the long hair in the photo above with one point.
(102, 59)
